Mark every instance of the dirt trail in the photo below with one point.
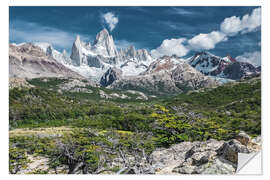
(41, 132)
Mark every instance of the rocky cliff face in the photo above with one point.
(186, 77)
(240, 70)
(155, 84)
(133, 69)
(136, 55)
(62, 58)
(166, 75)
(103, 54)
(105, 51)
(225, 67)
(29, 61)
(77, 56)
(111, 75)
(209, 64)
(104, 44)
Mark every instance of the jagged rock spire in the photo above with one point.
(102, 36)
(103, 50)
(131, 51)
(105, 40)
(76, 54)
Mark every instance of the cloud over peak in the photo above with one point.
(110, 20)
(205, 41)
(171, 47)
(253, 58)
(248, 23)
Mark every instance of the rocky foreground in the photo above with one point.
(208, 157)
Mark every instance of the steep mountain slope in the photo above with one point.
(110, 76)
(134, 69)
(165, 75)
(209, 64)
(93, 60)
(240, 70)
(225, 67)
(60, 57)
(103, 54)
(29, 61)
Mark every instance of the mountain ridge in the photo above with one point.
(108, 66)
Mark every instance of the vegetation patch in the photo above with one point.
(44, 122)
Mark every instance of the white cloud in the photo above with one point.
(182, 46)
(110, 20)
(22, 31)
(248, 23)
(206, 41)
(181, 11)
(171, 47)
(56, 38)
(253, 58)
(125, 44)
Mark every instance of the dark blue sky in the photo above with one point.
(145, 27)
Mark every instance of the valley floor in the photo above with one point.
(56, 127)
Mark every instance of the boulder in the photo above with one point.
(186, 157)
(229, 150)
(243, 138)
(219, 166)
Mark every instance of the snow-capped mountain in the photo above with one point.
(128, 68)
(51, 52)
(166, 75)
(60, 57)
(221, 67)
(166, 63)
(93, 60)
(240, 70)
(210, 64)
(102, 51)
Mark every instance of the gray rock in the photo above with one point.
(240, 70)
(219, 166)
(105, 40)
(230, 150)
(76, 85)
(209, 157)
(243, 138)
(112, 95)
(184, 170)
(111, 75)
(199, 158)
(166, 75)
(257, 140)
(140, 94)
(77, 54)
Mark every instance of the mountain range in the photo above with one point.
(126, 68)
(105, 110)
